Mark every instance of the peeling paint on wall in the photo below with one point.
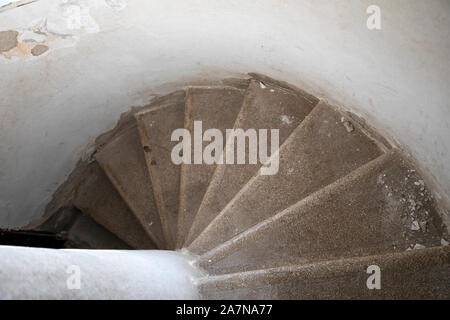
(24, 44)
(10, 4)
(71, 17)
(62, 26)
(39, 49)
(8, 40)
(31, 36)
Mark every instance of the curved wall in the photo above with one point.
(104, 56)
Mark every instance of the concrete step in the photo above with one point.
(156, 124)
(317, 153)
(85, 233)
(80, 230)
(126, 120)
(98, 198)
(122, 159)
(415, 274)
(217, 108)
(59, 222)
(364, 213)
(266, 106)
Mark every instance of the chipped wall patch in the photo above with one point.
(72, 17)
(8, 40)
(31, 36)
(61, 27)
(39, 49)
(29, 42)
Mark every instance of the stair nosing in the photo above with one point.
(227, 247)
(155, 104)
(107, 170)
(157, 191)
(182, 238)
(190, 239)
(320, 269)
(255, 176)
(383, 150)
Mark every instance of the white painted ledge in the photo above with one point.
(36, 273)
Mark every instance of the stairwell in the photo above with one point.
(343, 199)
(361, 180)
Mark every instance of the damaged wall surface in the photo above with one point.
(70, 67)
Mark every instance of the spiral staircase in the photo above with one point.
(343, 199)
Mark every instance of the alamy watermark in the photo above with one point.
(374, 20)
(235, 147)
(374, 280)
(73, 282)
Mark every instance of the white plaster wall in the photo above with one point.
(53, 105)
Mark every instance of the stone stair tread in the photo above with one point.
(415, 274)
(265, 106)
(361, 214)
(87, 234)
(60, 221)
(318, 152)
(156, 124)
(238, 83)
(122, 159)
(216, 107)
(125, 122)
(98, 198)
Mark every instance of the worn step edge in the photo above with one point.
(214, 87)
(157, 191)
(158, 104)
(238, 241)
(366, 128)
(362, 125)
(191, 239)
(196, 232)
(193, 233)
(182, 238)
(125, 121)
(244, 189)
(108, 171)
(126, 216)
(412, 260)
(240, 83)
